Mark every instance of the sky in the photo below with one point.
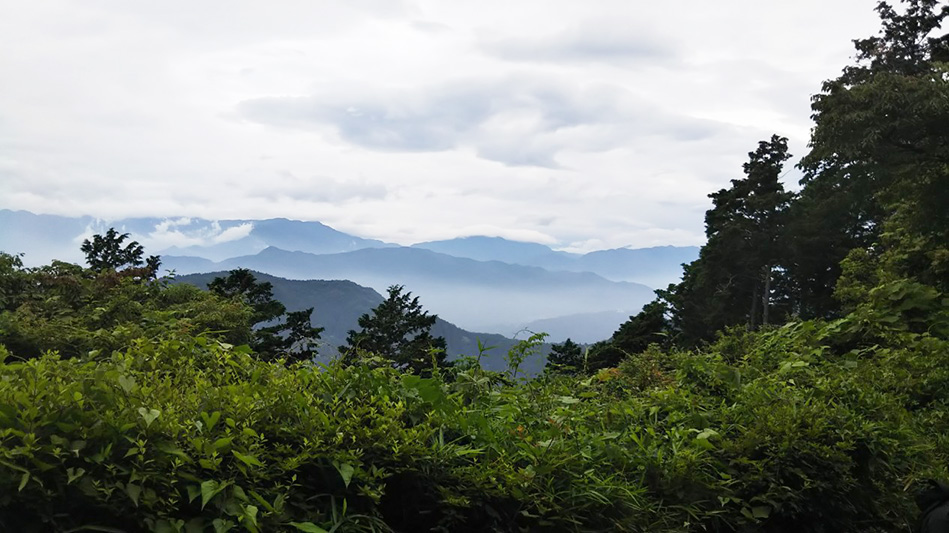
(580, 125)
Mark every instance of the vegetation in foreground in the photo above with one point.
(127, 404)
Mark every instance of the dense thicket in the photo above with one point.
(809, 427)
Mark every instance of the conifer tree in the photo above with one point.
(397, 330)
(733, 280)
(566, 358)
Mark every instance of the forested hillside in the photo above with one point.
(337, 306)
(797, 379)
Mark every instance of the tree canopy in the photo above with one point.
(398, 331)
(294, 338)
(107, 252)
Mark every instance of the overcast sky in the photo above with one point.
(579, 124)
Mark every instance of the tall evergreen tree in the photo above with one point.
(565, 358)
(399, 331)
(733, 280)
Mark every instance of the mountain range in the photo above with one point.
(479, 294)
(655, 267)
(482, 283)
(337, 306)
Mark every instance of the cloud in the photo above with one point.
(234, 233)
(589, 122)
(185, 231)
(518, 120)
(285, 184)
(593, 41)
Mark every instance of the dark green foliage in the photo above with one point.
(295, 338)
(399, 332)
(649, 326)
(734, 280)
(107, 252)
(242, 284)
(604, 354)
(879, 156)
(810, 427)
(76, 311)
(566, 358)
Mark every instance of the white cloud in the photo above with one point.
(234, 233)
(586, 123)
(519, 120)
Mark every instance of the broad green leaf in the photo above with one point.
(73, 474)
(260, 499)
(171, 449)
(308, 527)
(149, 415)
(345, 471)
(210, 420)
(250, 512)
(222, 526)
(247, 459)
(210, 489)
(134, 491)
(193, 492)
(127, 383)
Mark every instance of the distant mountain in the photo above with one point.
(498, 249)
(480, 282)
(42, 238)
(477, 294)
(292, 235)
(47, 237)
(339, 304)
(655, 267)
(584, 328)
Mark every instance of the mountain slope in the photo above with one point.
(294, 235)
(337, 306)
(477, 294)
(654, 267)
(482, 248)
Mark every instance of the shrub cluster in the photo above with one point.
(799, 428)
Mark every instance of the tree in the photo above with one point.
(649, 326)
(294, 338)
(399, 331)
(566, 358)
(241, 283)
(604, 354)
(61, 307)
(106, 252)
(879, 158)
(734, 279)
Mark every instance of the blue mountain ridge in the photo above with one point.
(477, 294)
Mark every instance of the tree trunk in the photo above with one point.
(766, 295)
(754, 307)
